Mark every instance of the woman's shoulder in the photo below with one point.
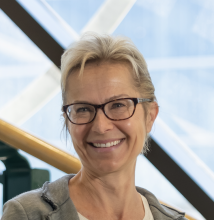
(25, 206)
(160, 211)
(37, 203)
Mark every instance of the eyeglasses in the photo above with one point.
(116, 110)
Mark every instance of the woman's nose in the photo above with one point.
(101, 123)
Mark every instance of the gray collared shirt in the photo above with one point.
(52, 202)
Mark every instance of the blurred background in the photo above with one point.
(176, 38)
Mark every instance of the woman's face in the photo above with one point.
(99, 84)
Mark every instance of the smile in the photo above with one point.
(108, 144)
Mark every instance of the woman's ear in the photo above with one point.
(152, 113)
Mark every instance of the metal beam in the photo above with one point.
(51, 22)
(182, 168)
(33, 30)
(181, 181)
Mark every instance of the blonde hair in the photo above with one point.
(93, 47)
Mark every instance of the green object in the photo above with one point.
(18, 176)
(38, 178)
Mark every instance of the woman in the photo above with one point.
(109, 108)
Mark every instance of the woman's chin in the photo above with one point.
(106, 167)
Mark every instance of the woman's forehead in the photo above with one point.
(102, 74)
(100, 82)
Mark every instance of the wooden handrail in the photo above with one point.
(190, 218)
(58, 158)
(20, 139)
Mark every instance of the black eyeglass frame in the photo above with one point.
(102, 106)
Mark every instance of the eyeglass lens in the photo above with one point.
(116, 110)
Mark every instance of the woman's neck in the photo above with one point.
(114, 192)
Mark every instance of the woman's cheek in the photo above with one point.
(78, 133)
(133, 127)
(137, 129)
(128, 127)
(134, 135)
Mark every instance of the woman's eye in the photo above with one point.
(117, 105)
(79, 110)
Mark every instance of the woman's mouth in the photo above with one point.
(107, 144)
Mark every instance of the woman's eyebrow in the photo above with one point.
(117, 97)
(81, 101)
(106, 100)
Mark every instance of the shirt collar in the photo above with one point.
(158, 209)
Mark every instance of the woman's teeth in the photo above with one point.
(109, 144)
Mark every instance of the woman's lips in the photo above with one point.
(106, 143)
(107, 146)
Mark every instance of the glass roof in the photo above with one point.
(76, 13)
(176, 39)
(20, 61)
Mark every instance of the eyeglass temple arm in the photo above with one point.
(144, 100)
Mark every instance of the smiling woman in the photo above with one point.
(109, 108)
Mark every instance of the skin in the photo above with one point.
(105, 186)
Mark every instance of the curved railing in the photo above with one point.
(58, 158)
(20, 139)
